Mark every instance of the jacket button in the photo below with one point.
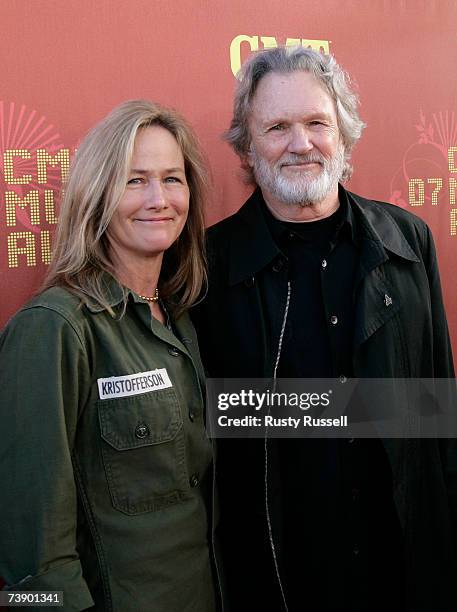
(173, 351)
(324, 264)
(141, 431)
(343, 379)
(249, 282)
(278, 265)
(191, 417)
(333, 319)
(193, 480)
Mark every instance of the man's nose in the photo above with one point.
(155, 196)
(299, 140)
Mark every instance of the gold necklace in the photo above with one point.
(151, 298)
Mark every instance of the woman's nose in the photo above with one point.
(155, 196)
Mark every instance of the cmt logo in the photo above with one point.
(267, 42)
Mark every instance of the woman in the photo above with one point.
(106, 477)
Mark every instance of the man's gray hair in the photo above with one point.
(292, 59)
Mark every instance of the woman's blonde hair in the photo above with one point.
(96, 183)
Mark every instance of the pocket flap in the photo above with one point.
(140, 420)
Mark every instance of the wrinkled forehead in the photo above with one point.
(292, 93)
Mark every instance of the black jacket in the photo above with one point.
(406, 336)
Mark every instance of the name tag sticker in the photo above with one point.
(133, 384)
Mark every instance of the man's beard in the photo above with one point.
(303, 188)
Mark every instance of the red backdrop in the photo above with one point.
(66, 64)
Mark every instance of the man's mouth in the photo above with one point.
(302, 165)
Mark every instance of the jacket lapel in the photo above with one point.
(376, 300)
(252, 231)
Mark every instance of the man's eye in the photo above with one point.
(277, 127)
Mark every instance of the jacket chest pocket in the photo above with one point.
(143, 450)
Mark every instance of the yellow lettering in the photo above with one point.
(451, 159)
(50, 207)
(416, 191)
(12, 201)
(268, 42)
(235, 50)
(452, 188)
(28, 249)
(8, 167)
(318, 45)
(454, 222)
(293, 42)
(438, 182)
(44, 159)
(46, 253)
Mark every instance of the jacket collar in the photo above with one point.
(254, 247)
(114, 294)
(377, 225)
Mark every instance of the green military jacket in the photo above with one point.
(106, 479)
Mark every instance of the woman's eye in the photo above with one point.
(277, 127)
(134, 181)
(172, 179)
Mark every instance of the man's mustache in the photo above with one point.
(294, 159)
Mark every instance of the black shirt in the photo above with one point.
(341, 533)
(321, 258)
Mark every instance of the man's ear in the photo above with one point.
(247, 160)
(245, 165)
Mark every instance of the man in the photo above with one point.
(309, 280)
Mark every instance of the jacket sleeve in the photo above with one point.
(443, 364)
(443, 368)
(44, 375)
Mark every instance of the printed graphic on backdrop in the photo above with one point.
(428, 172)
(242, 45)
(34, 164)
(69, 71)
